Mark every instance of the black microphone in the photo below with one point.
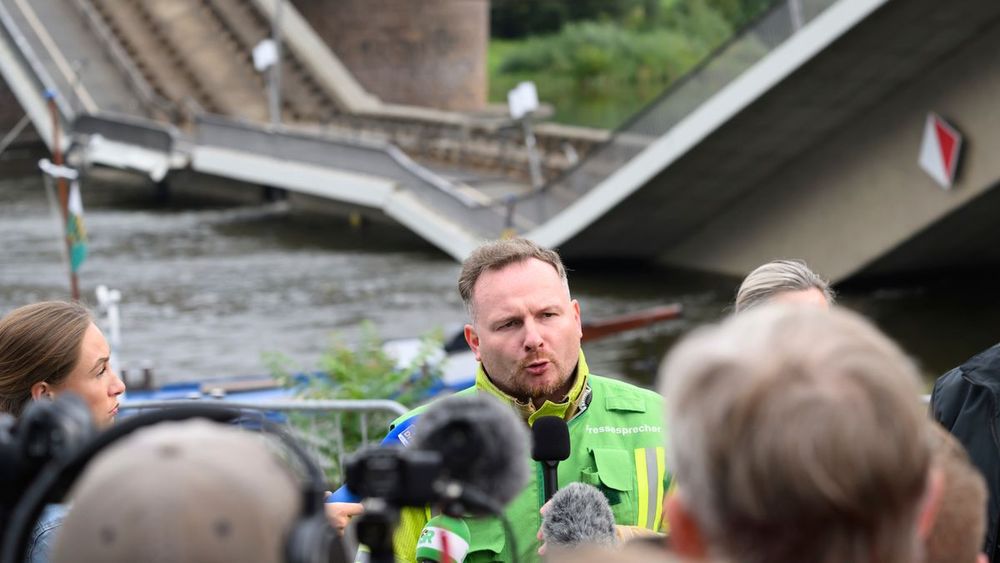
(483, 447)
(579, 515)
(550, 445)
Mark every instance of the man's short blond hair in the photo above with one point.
(960, 525)
(498, 254)
(797, 435)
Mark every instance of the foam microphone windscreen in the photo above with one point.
(578, 515)
(482, 443)
(549, 439)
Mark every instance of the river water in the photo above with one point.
(208, 288)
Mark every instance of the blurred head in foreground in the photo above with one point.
(783, 281)
(182, 491)
(629, 554)
(960, 524)
(796, 434)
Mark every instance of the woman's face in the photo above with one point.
(93, 379)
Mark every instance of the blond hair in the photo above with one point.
(38, 342)
(797, 435)
(498, 254)
(775, 277)
(960, 525)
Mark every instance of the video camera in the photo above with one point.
(49, 446)
(390, 478)
(46, 431)
(398, 476)
(468, 458)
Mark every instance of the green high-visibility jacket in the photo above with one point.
(617, 445)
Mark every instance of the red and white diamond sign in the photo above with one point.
(939, 150)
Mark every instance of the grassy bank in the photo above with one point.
(599, 73)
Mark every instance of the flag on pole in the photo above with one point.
(76, 234)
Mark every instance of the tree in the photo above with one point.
(512, 19)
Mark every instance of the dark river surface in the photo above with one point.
(208, 288)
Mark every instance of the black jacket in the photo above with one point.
(966, 401)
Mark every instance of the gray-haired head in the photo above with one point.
(797, 435)
(777, 277)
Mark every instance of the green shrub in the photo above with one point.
(362, 371)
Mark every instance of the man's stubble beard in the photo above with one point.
(522, 389)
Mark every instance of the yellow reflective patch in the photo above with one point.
(643, 487)
(661, 471)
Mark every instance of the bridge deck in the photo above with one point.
(168, 84)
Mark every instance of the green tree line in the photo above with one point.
(600, 61)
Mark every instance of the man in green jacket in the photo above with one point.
(525, 331)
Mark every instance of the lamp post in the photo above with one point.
(274, 77)
(523, 101)
(795, 14)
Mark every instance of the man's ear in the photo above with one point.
(931, 502)
(40, 390)
(579, 323)
(685, 536)
(473, 340)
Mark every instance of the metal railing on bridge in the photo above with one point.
(354, 154)
(715, 72)
(36, 74)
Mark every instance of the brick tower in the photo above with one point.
(425, 52)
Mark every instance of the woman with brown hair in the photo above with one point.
(47, 349)
(54, 347)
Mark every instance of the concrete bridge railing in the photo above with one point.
(342, 169)
(25, 73)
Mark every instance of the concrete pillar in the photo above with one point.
(10, 108)
(429, 52)
(11, 113)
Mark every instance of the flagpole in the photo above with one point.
(57, 159)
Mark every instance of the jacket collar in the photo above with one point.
(982, 369)
(565, 409)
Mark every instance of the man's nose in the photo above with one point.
(532, 336)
